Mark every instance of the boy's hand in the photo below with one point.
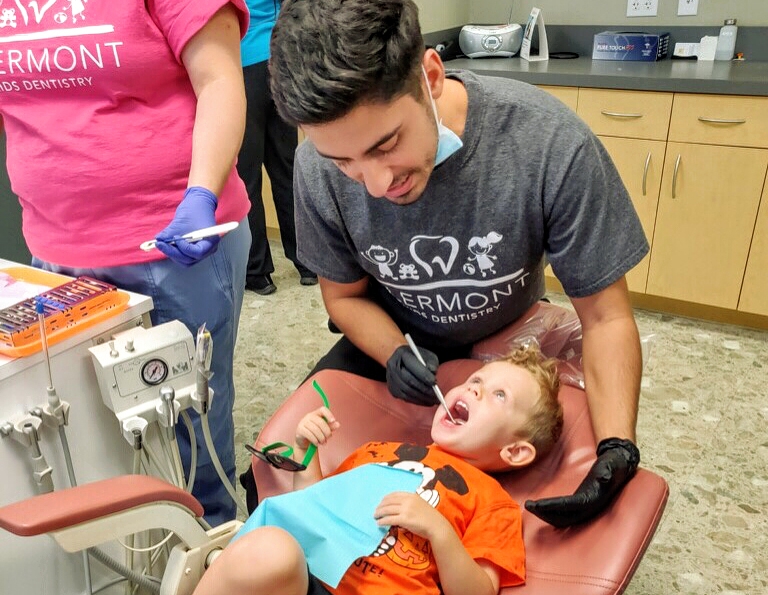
(410, 511)
(315, 428)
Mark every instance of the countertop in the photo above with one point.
(683, 76)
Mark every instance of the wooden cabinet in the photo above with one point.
(712, 183)
(754, 291)
(720, 120)
(633, 128)
(629, 114)
(639, 163)
(696, 167)
(707, 209)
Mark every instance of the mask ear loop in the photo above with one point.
(431, 99)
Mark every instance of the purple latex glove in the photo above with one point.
(197, 210)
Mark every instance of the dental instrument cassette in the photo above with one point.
(67, 309)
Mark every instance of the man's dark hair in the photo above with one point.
(328, 56)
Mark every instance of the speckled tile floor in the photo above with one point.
(702, 426)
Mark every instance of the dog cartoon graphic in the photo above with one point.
(480, 247)
(383, 258)
(403, 547)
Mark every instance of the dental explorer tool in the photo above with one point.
(194, 236)
(438, 392)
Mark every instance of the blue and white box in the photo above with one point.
(618, 45)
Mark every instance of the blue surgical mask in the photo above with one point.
(448, 142)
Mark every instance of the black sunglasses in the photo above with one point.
(283, 460)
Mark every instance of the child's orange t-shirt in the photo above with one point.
(486, 518)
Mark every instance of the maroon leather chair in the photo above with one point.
(597, 558)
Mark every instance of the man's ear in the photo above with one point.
(518, 454)
(435, 70)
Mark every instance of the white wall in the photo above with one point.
(613, 12)
(436, 15)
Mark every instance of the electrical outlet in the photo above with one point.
(687, 8)
(642, 8)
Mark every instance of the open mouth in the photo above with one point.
(460, 412)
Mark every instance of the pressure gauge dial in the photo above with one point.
(154, 371)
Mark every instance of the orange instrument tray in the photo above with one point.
(79, 303)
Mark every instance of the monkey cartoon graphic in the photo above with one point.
(383, 258)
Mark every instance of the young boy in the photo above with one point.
(460, 533)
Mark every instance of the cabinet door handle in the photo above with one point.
(620, 114)
(674, 176)
(723, 120)
(645, 170)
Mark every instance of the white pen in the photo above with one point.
(195, 236)
(438, 392)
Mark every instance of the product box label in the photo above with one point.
(616, 45)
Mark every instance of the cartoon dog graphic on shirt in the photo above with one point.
(403, 547)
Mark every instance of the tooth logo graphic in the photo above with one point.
(429, 248)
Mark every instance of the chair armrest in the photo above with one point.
(57, 510)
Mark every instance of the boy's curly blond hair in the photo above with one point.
(545, 425)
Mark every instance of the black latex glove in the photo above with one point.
(409, 379)
(616, 463)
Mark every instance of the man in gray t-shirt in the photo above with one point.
(427, 201)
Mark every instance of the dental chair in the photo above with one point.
(597, 558)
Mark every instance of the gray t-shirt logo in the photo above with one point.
(440, 283)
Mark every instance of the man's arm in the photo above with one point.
(612, 369)
(372, 330)
(364, 322)
(612, 360)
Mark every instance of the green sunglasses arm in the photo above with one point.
(316, 386)
(311, 450)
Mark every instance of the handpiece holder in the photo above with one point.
(203, 353)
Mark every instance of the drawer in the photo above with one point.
(631, 114)
(568, 95)
(720, 120)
